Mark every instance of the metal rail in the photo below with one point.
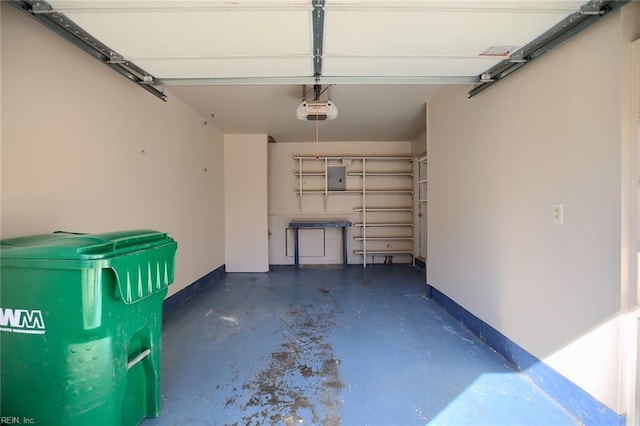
(57, 22)
(589, 14)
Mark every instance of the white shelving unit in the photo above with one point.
(322, 163)
(423, 198)
(385, 213)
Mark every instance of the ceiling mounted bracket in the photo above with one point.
(589, 14)
(318, 36)
(317, 91)
(593, 8)
(116, 59)
(42, 12)
(41, 7)
(517, 57)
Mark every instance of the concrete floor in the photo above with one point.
(332, 346)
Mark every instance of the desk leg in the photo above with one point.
(344, 246)
(296, 254)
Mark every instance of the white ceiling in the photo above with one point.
(245, 61)
(366, 112)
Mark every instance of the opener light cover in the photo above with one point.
(316, 110)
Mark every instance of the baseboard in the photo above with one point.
(573, 398)
(281, 268)
(171, 302)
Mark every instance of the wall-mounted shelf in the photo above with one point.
(386, 227)
(357, 191)
(385, 209)
(317, 174)
(384, 174)
(357, 158)
(383, 252)
(422, 206)
(385, 238)
(322, 192)
(422, 180)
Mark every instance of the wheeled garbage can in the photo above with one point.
(80, 325)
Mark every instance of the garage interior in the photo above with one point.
(517, 197)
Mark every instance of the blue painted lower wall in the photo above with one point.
(171, 302)
(573, 398)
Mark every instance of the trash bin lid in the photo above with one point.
(76, 246)
(142, 260)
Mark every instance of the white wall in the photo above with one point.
(549, 133)
(419, 144)
(245, 179)
(84, 149)
(283, 202)
(630, 292)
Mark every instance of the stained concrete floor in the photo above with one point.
(332, 346)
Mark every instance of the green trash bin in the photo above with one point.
(80, 326)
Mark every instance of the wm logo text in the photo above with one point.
(21, 321)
